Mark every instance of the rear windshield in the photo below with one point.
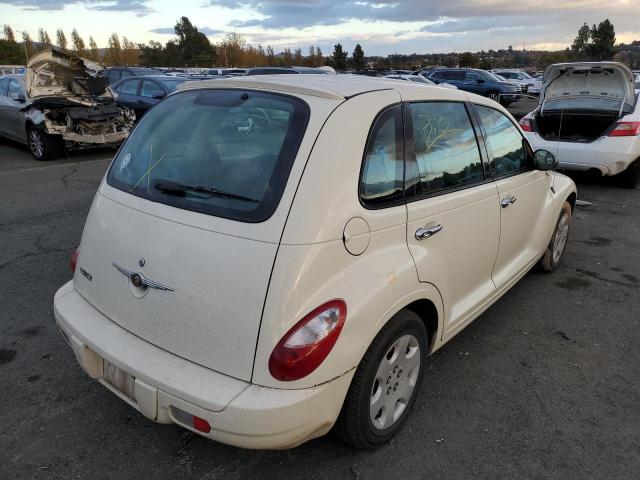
(172, 84)
(586, 104)
(221, 152)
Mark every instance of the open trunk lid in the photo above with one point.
(588, 86)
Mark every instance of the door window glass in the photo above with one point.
(129, 87)
(504, 141)
(15, 90)
(4, 86)
(445, 146)
(383, 169)
(151, 89)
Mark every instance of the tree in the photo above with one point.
(287, 58)
(195, 48)
(129, 52)
(468, 59)
(43, 37)
(319, 58)
(8, 34)
(28, 45)
(297, 57)
(271, 56)
(358, 58)
(113, 55)
(232, 48)
(603, 39)
(78, 42)
(61, 39)
(339, 58)
(152, 55)
(94, 54)
(580, 46)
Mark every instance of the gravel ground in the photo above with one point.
(542, 385)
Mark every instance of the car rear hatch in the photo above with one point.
(180, 241)
(580, 102)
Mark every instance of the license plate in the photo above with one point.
(119, 379)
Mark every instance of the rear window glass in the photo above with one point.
(221, 152)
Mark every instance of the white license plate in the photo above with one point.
(119, 379)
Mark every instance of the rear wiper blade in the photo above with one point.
(181, 190)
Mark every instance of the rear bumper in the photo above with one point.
(240, 413)
(608, 155)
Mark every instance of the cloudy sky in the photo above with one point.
(381, 26)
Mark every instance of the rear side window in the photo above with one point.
(129, 87)
(382, 174)
(151, 89)
(226, 153)
(15, 90)
(508, 154)
(4, 87)
(445, 146)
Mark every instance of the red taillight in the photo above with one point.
(525, 124)
(625, 129)
(201, 424)
(74, 260)
(308, 343)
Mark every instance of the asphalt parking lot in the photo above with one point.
(542, 385)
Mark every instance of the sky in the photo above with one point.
(382, 27)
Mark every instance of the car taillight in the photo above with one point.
(73, 262)
(625, 129)
(308, 343)
(525, 123)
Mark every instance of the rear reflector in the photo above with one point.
(625, 129)
(525, 124)
(201, 424)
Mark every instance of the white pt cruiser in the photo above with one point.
(270, 258)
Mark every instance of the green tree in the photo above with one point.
(194, 46)
(152, 55)
(603, 39)
(339, 57)
(580, 46)
(78, 43)
(61, 39)
(468, 59)
(358, 58)
(10, 51)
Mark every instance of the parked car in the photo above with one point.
(285, 71)
(245, 275)
(115, 74)
(527, 83)
(589, 114)
(60, 104)
(418, 79)
(478, 81)
(225, 71)
(142, 93)
(12, 70)
(637, 75)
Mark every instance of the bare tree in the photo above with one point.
(94, 54)
(8, 33)
(61, 39)
(78, 42)
(43, 37)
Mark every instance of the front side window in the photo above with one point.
(504, 142)
(4, 87)
(383, 168)
(445, 146)
(15, 90)
(226, 153)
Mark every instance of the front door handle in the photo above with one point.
(423, 233)
(508, 201)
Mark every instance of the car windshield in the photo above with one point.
(171, 84)
(221, 152)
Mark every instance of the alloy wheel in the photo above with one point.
(36, 143)
(560, 240)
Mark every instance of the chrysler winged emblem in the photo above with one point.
(139, 280)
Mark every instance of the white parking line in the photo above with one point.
(55, 166)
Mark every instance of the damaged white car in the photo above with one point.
(61, 104)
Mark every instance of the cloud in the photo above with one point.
(171, 31)
(139, 7)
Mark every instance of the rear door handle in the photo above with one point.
(508, 201)
(423, 233)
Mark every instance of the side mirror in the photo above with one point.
(544, 160)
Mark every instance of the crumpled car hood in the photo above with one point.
(56, 78)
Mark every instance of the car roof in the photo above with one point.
(336, 87)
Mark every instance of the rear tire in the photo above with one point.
(42, 145)
(631, 176)
(386, 383)
(551, 258)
